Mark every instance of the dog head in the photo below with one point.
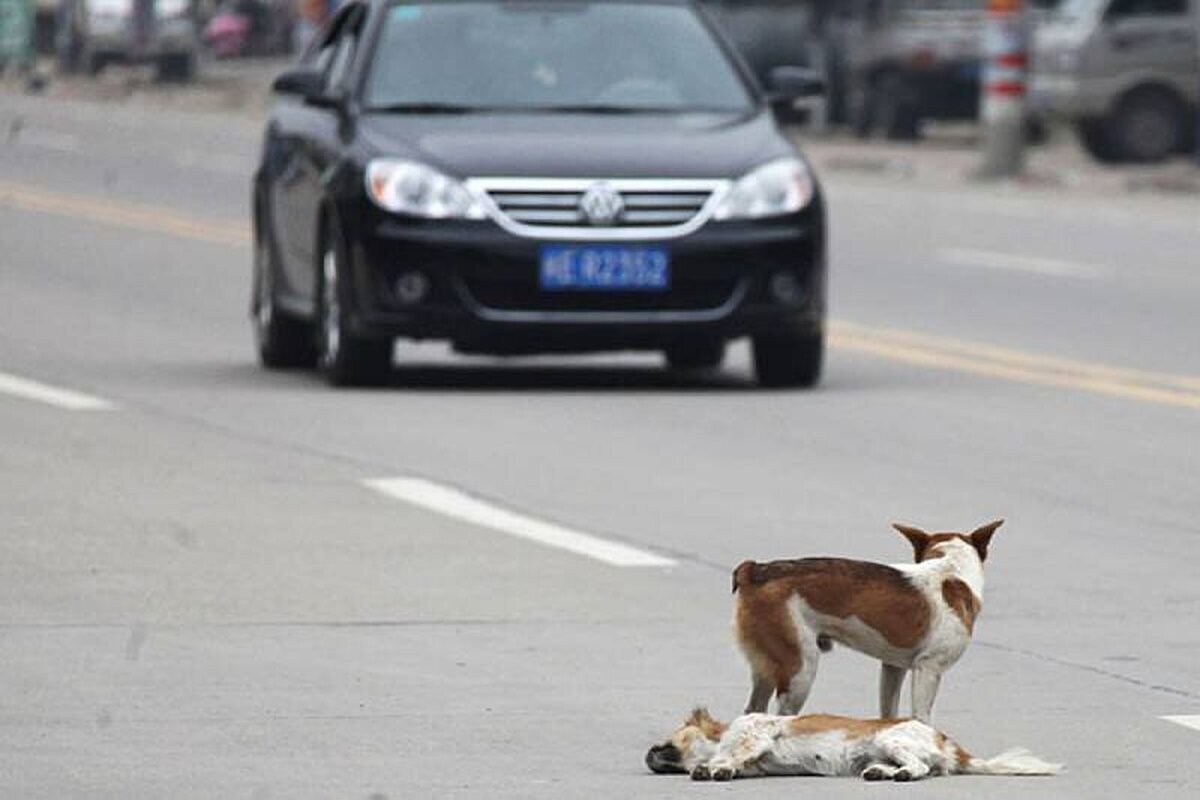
(935, 545)
(694, 742)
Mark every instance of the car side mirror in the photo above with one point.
(785, 84)
(302, 82)
(309, 85)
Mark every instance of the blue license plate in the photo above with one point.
(606, 268)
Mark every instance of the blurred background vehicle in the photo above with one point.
(16, 34)
(250, 28)
(906, 61)
(768, 33)
(1124, 73)
(888, 64)
(95, 33)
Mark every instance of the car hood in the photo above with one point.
(702, 145)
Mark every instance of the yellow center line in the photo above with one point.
(893, 344)
(1016, 357)
(125, 215)
(1015, 366)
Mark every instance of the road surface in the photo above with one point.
(507, 579)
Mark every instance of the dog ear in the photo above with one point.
(982, 535)
(699, 716)
(918, 538)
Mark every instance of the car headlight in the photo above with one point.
(779, 187)
(407, 187)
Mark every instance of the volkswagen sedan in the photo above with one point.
(534, 176)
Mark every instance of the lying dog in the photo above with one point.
(909, 616)
(876, 750)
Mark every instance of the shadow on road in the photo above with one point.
(460, 377)
(560, 378)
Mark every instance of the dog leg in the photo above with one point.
(912, 768)
(790, 702)
(878, 772)
(925, 682)
(760, 694)
(891, 678)
(736, 754)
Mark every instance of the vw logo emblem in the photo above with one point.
(601, 204)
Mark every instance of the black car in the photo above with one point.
(534, 176)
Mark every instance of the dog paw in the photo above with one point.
(723, 773)
(701, 773)
(902, 775)
(875, 773)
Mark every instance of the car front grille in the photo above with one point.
(556, 208)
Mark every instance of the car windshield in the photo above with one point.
(550, 55)
(1076, 9)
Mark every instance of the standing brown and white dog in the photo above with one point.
(910, 616)
(874, 749)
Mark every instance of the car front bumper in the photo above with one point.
(484, 296)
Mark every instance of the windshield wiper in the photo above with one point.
(596, 108)
(427, 108)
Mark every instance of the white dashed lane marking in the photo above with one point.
(58, 397)
(1015, 262)
(459, 505)
(1192, 721)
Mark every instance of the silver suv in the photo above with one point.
(1126, 73)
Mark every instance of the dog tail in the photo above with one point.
(743, 574)
(1017, 761)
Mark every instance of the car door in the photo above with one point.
(306, 138)
(1148, 40)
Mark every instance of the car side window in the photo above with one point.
(343, 55)
(322, 54)
(1120, 9)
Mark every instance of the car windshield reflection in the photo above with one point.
(564, 57)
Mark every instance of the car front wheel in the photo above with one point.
(345, 359)
(789, 361)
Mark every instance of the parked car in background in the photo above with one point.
(768, 33)
(97, 33)
(906, 61)
(1125, 73)
(534, 177)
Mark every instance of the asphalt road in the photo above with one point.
(201, 596)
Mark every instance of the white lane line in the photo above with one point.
(461, 506)
(1192, 721)
(51, 395)
(1015, 262)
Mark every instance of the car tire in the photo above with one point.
(344, 358)
(1093, 136)
(1148, 126)
(793, 361)
(282, 340)
(894, 108)
(93, 63)
(176, 68)
(696, 356)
